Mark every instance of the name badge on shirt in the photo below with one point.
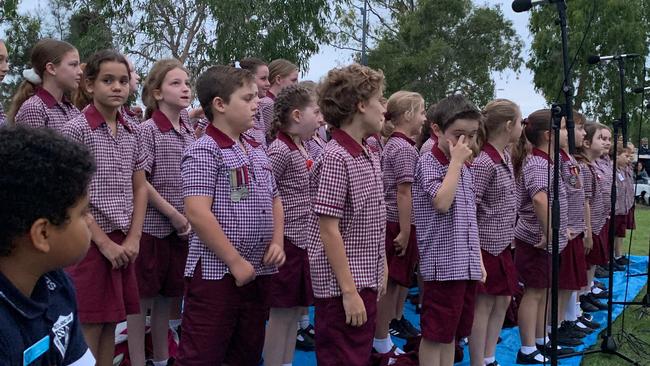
(239, 180)
(621, 177)
(36, 350)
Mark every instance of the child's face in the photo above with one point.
(580, 133)
(373, 114)
(69, 242)
(623, 159)
(417, 121)
(67, 72)
(288, 80)
(111, 87)
(262, 80)
(135, 78)
(516, 128)
(4, 61)
(310, 118)
(564, 135)
(597, 144)
(607, 140)
(240, 112)
(175, 89)
(460, 127)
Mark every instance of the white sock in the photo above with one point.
(382, 345)
(174, 323)
(160, 363)
(570, 311)
(303, 322)
(541, 341)
(528, 350)
(488, 360)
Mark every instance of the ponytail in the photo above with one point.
(495, 116)
(536, 124)
(25, 91)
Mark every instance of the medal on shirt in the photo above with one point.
(239, 180)
(573, 179)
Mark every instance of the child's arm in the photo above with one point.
(540, 205)
(199, 212)
(404, 209)
(132, 241)
(588, 240)
(446, 193)
(179, 222)
(275, 252)
(355, 310)
(116, 254)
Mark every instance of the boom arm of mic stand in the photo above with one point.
(567, 86)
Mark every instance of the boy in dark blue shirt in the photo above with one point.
(43, 228)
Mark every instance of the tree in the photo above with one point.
(457, 50)
(8, 9)
(616, 27)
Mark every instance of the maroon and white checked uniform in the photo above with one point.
(164, 148)
(572, 180)
(315, 146)
(535, 178)
(117, 157)
(375, 143)
(629, 188)
(129, 115)
(448, 243)
(428, 144)
(3, 116)
(603, 166)
(594, 184)
(496, 200)
(200, 126)
(266, 113)
(398, 161)
(291, 170)
(346, 183)
(257, 132)
(207, 167)
(42, 110)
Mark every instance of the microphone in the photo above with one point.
(640, 89)
(520, 6)
(594, 59)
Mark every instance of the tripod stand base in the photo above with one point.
(610, 347)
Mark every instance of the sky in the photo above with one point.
(517, 87)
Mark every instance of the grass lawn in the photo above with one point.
(637, 327)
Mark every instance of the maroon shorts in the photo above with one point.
(604, 236)
(533, 265)
(160, 266)
(631, 221)
(338, 343)
(291, 286)
(104, 294)
(573, 265)
(621, 222)
(447, 310)
(400, 269)
(501, 274)
(598, 254)
(222, 323)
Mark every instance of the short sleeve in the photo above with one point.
(587, 181)
(404, 163)
(535, 178)
(332, 186)
(429, 175)
(200, 167)
(140, 155)
(147, 144)
(483, 174)
(279, 159)
(73, 131)
(31, 114)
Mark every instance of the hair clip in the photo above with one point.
(31, 76)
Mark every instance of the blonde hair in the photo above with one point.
(400, 106)
(495, 115)
(155, 80)
(281, 68)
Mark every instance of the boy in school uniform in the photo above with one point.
(232, 202)
(44, 212)
(348, 225)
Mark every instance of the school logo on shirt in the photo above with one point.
(61, 331)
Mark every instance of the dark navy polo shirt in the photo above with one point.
(43, 329)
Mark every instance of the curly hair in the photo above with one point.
(344, 88)
(44, 174)
(289, 99)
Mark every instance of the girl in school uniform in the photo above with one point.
(316, 144)
(604, 166)
(533, 232)
(447, 232)
(163, 246)
(427, 138)
(623, 202)
(297, 116)
(405, 111)
(496, 209)
(261, 71)
(282, 73)
(105, 280)
(134, 81)
(41, 99)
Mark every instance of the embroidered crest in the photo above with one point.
(61, 331)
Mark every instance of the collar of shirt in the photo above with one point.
(29, 308)
(48, 98)
(538, 152)
(492, 152)
(224, 141)
(564, 156)
(270, 94)
(164, 124)
(95, 119)
(403, 136)
(347, 142)
(287, 140)
(438, 154)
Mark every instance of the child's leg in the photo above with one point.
(495, 323)
(106, 345)
(280, 331)
(92, 333)
(290, 346)
(564, 296)
(159, 327)
(527, 315)
(477, 340)
(542, 315)
(403, 293)
(618, 247)
(447, 351)
(430, 352)
(385, 313)
(135, 324)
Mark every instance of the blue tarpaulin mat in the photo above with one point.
(510, 344)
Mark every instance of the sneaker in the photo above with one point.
(304, 342)
(396, 329)
(589, 321)
(623, 260)
(587, 306)
(592, 299)
(409, 327)
(546, 350)
(530, 359)
(601, 272)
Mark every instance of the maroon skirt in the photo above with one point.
(573, 265)
(598, 254)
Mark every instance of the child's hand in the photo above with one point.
(274, 255)
(115, 253)
(588, 243)
(543, 243)
(355, 310)
(243, 272)
(400, 243)
(461, 151)
(384, 282)
(132, 248)
(182, 226)
(483, 273)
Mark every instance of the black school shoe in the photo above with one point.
(601, 272)
(545, 350)
(587, 306)
(523, 359)
(603, 294)
(600, 285)
(495, 363)
(586, 330)
(618, 267)
(565, 338)
(574, 329)
(304, 341)
(409, 327)
(623, 260)
(593, 300)
(589, 321)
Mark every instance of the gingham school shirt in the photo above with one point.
(315, 146)
(428, 144)
(572, 180)
(398, 161)
(291, 172)
(448, 243)
(3, 116)
(242, 188)
(257, 132)
(111, 188)
(346, 183)
(629, 179)
(623, 203)
(265, 108)
(535, 179)
(42, 110)
(164, 148)
(375, 144)
(603, 166)
(496, 199)
(201, 124)
(593, 183)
